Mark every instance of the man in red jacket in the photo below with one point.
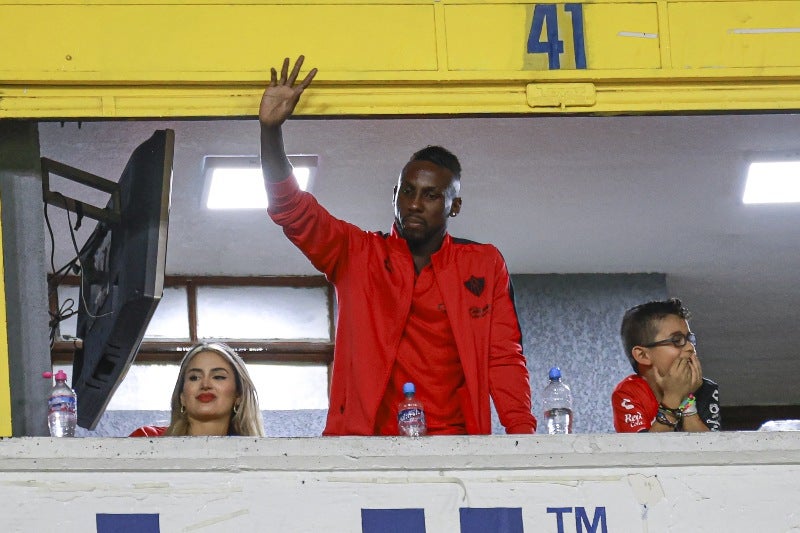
(414, 305)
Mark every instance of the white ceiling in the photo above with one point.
(555, 194)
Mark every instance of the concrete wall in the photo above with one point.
(25, 281)
(572, 321)
(733, 482)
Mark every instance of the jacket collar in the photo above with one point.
(437, 256)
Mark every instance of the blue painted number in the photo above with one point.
(576, 10)
(547, 14)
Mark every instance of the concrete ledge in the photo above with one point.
(735, 482)
(392, 453)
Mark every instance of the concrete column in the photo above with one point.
(25, 275)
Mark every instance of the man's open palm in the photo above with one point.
(281, 96)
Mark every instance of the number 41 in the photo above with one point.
(552, 46)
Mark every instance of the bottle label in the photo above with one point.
(410, 415)
(61, 403)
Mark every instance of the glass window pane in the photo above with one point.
(285, 387)
(68, 299)
(149, 387)
(263, 313)
(169, 322)
(171, 319)
(145, 387)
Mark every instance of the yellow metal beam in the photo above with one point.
(146, 58)
(5, 390)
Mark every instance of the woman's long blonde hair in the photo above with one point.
(246, 421)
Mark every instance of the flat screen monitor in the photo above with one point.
(122, 277)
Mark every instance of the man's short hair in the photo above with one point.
(439, 156)
(640, 324)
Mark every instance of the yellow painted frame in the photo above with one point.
(5, 384)
(88, 58)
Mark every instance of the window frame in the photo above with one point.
(267, 351)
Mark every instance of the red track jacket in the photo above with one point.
(373, 274)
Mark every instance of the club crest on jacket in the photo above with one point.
(475, 285)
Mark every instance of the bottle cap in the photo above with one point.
(408, 388)
(555, 373)
(60, 375)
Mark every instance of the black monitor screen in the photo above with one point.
(122, 277)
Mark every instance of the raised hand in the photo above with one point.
(281, 95)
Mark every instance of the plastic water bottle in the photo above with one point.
(557, 404)
(410, 414)
(62, 407)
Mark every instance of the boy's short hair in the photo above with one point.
(639, 325)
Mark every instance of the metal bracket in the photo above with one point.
(110, 214)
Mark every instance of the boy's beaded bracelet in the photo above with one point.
(689, 406)
(661, 417)
(677, 413)
(689, 400)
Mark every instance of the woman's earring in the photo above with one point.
(183, 409)
(235, 408)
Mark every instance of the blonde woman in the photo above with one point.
(213, 396)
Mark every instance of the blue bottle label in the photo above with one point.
(410, 415)
(61, 403)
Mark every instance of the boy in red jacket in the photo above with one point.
(668, 391)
